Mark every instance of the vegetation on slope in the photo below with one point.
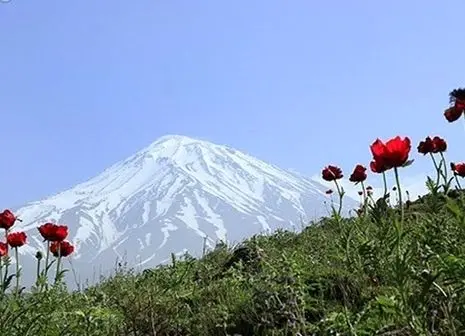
(390, 270)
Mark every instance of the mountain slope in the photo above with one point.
(174, 195)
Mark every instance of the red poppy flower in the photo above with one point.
(458, 168)
(359, 174)
(393, 153)
(328, 192)
(360, 193)
(457, 99)
(332, 173)
(16, 239)
(378, 167)
(63, 248)
(426, 147)
(369, 188)
(53, 232)
(439, 145)
(452, 114)
(3, 249)
(7, 219)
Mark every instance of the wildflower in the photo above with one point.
(332, 173)
(61, 248)
(53, 232)
(16, 239)
(458, 168)
(3, 249)
(359, 174)
(426, 147)
(7, 219)
(457, 99)
(378, 167)
(439, 145)
(392, 154)
(452, 114)
(329, 192)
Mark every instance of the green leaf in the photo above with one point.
(408, 163)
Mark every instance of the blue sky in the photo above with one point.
(300, 84)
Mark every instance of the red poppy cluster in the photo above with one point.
(14, 239)
(432, 146)
(53, 233)
(394, 153)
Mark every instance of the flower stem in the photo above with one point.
(365, 199)
(5, 276)
(339, 191)
(385, 184)
(443, 160)
(396, 173)
(47, 257)
(458, 183)
(38, 273)
(438, 173)
(58, 264)
(58, 269)
(17, 271)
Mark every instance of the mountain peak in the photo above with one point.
(174, 139)
(172, 195)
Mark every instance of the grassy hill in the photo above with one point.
(368, 275)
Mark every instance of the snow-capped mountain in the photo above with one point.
(175, 195)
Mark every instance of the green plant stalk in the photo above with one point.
(385, 184)
(438, 173)
(5, 276)
(58, 264)
(365, 199)
(339, 191)
(38, 273)
(443, 160)
(457, 180)
(17, 271)
(47, 257)
(58, 269)
(399, 190)
(399, 229)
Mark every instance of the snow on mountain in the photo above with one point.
(173, 196)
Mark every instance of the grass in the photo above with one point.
(356, 276)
